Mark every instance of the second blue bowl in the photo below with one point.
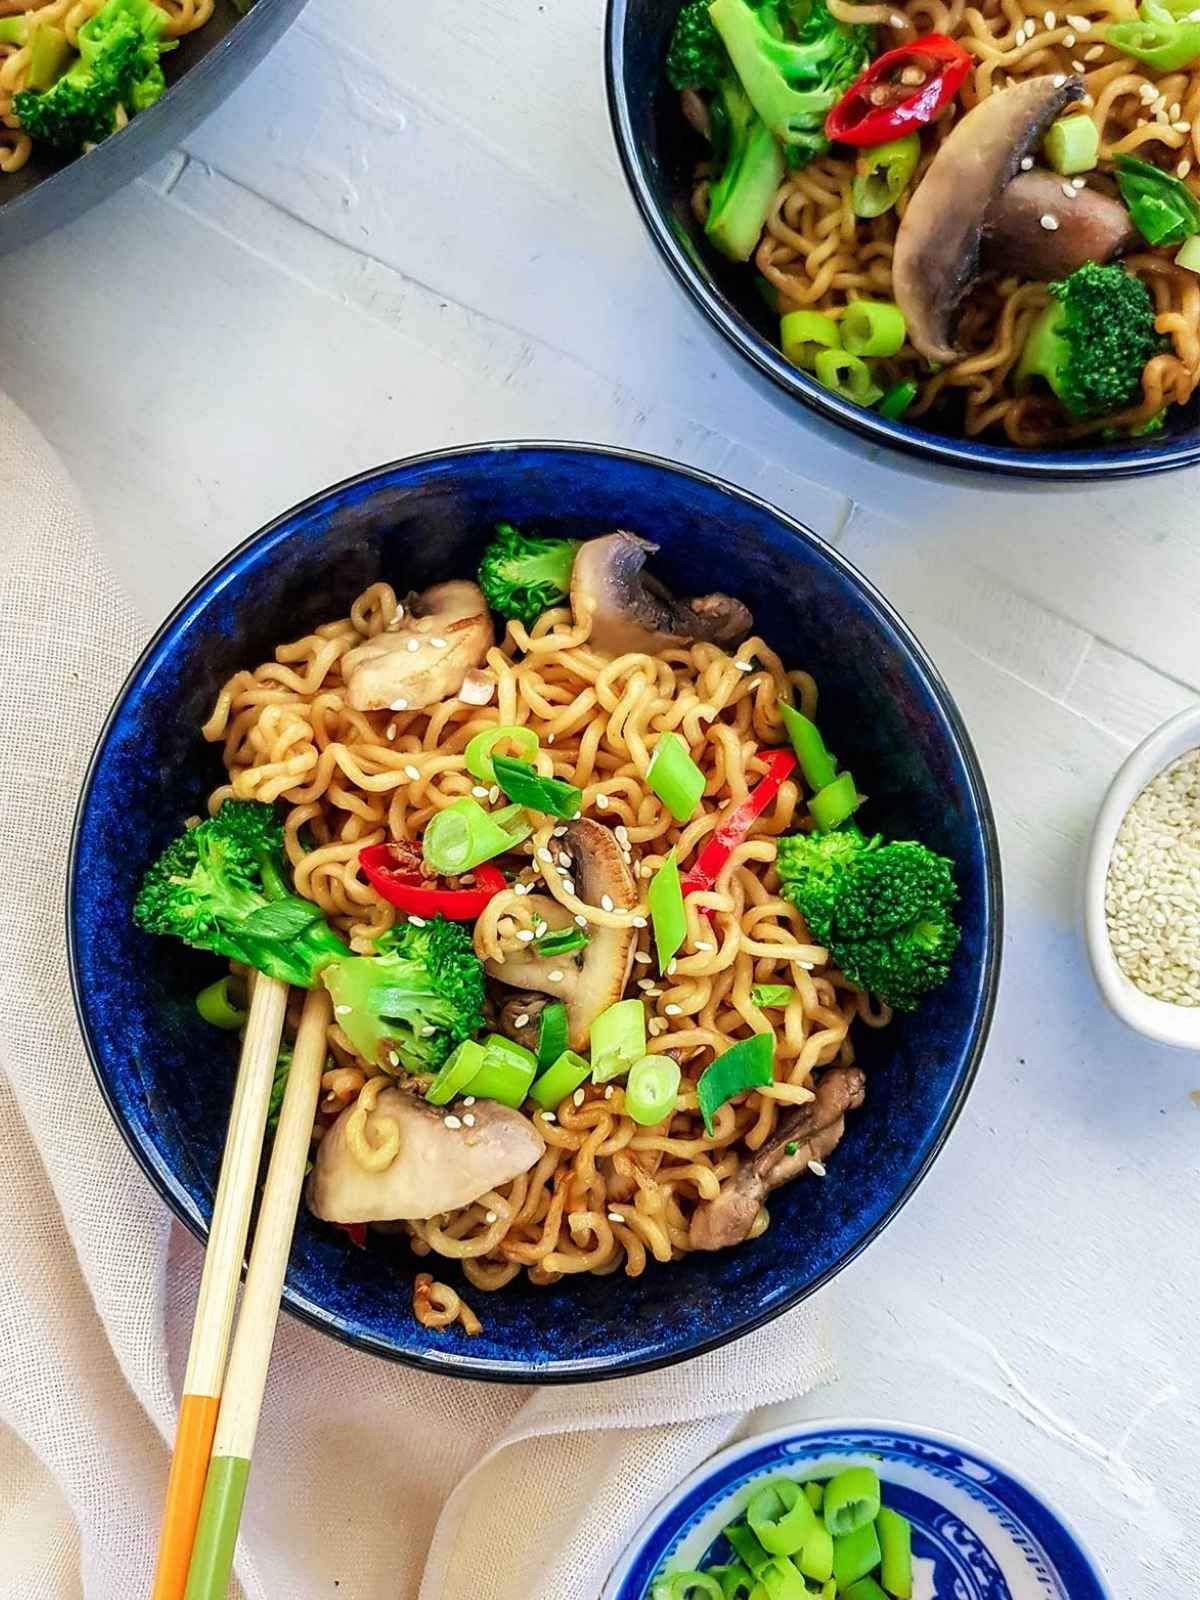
(168, 1078)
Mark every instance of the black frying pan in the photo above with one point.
(50, 190)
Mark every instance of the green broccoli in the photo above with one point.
(883, 910)
(1092, 343)
(751, 165)
(118, 64)
(521, 576)
(223, 886)
(415, 1000)
(795, 61)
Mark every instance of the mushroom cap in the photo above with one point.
(437, 1168)
(424, 657)
(628, 612)
(937, 249)
(1092, 226)
(593, 978)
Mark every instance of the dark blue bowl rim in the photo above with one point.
(1080, 465)
(522, 1372)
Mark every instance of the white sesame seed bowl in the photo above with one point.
(1165, 967)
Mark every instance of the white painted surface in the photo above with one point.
(408, 229)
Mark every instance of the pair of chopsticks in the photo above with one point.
(218, 1415)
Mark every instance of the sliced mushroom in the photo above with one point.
(815, 1128)
(520, 1018)
(436, 1168)
(1092, 226)
(629, 611)
(937, 250)
(442, 634)
(594, 978)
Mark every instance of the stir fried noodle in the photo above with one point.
(819, 256)
(607, 1193)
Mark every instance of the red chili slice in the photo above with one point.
(879, 105)
(707, 867)
(394, 871)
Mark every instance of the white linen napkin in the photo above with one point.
(369, 1480)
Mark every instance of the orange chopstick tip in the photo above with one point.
(185, 1493)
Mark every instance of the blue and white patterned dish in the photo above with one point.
(979, 1531)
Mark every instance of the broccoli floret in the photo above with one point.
(884, 911)
(1093, 342)
(740, 198)
(413, 1001)
(521, 576)
(696, 57)
(794, 62)
(223, 886)
(118, 64)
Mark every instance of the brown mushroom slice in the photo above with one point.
(437, 1167)
(425, 656)
(594, 978)
(519, 1018)
(937, 249)
(815, 1128)
(1092, 226)
(628, 611)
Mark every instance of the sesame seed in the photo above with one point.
(622, 833)
(744, 666)
(568, 885)
(470, 1100)
(439, 644)
(608, 1093)
(1183, 168)
(453, 1122)
(522, 1021)
(703, 944)
(1079, 183)
(579, 1097)
(398, 705)
(606, 902)
(394, 1058)
(581, 920)
(817, 1168)
(655, 1026)
(468, 1119)
(639, 922)
(525, 935)
(615, 1216)
(673, 1010)
(556, 976)
(479, 792)
(1059, 79)
(564, 859)
(1148, 93)
(1069, 190)
(412, 772)
(1026, 163)
(548, 1116)
(1176, 110)
(390, 730)
(342, 1011)
(1077, 66)
(489, 1216)
(1049, 19)
(417, 922)
(1182, 127)
(428, 1031)
(1068, 40)
(1080, 24)
(672, 967)
(642, 956)
(1049, 223)
(1093, 52)
(543, 854)
(522, 888)
(549, 738)
(559, 833)
(602, 802)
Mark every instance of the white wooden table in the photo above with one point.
(409, 229)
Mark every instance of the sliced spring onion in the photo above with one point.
(782, 1581)
(746, 1065)
(1188, 254)
(855, 1555)
(736, 1583)
(1072, 144)
(1163, 208)
(873, 328)
(772, 994)
(675, 777)
(816, 1494)
(651, 1088)
(803, 333)
(895, 1553)
(882, 173)
(667, 916)
(562, 942)
(815, 1559)
(851, 1501)
(695, 1586)
(507, 1071)
(865, 1589)
(833, 804)
(829, 1590)
(522, 783)
(618, 1039)
(747, 1548)
(847, 375)
(781, 1517)
(898, 399)
(566, 1075)
(817, 765)
(457, 1071)
(464, 835)
(478, 754)
(216, 1005)
(552, 1034)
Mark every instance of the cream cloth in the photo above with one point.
(370, 1481)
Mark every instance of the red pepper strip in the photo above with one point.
(862, 120)
(721, 844)
(394, 871)
(356, 1232)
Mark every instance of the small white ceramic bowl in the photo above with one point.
(1157, 1019)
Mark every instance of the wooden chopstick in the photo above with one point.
(218, 1286)
(245, 1379)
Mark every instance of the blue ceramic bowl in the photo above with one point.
(658, 152)
(979, 1531)
(167, 1076)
